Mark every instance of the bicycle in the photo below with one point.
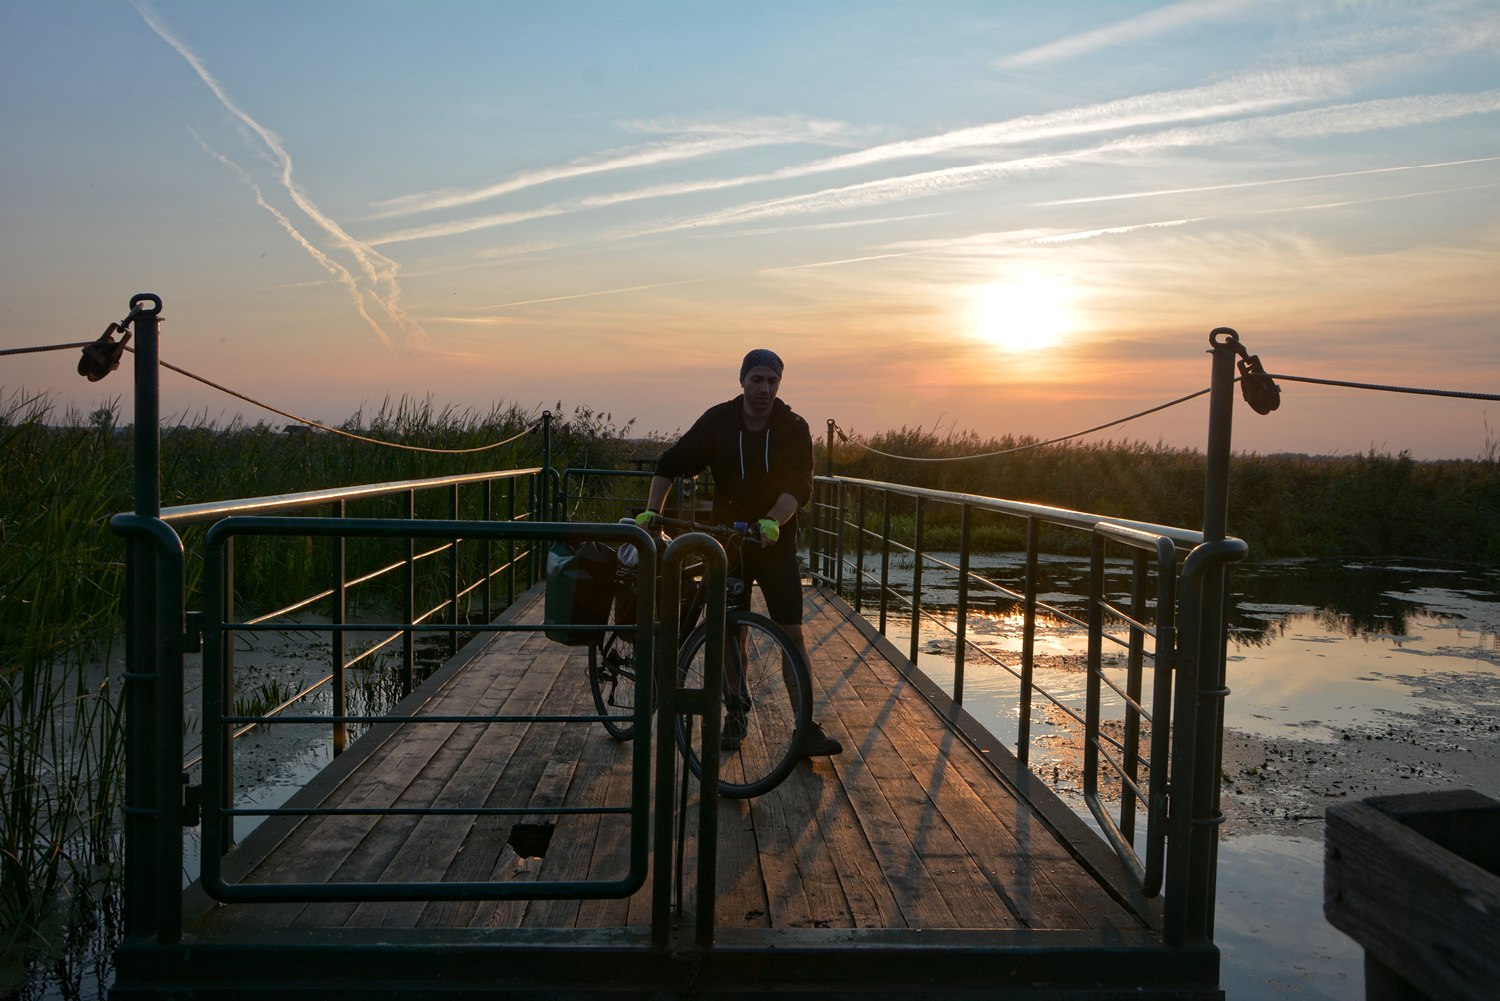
(766, 682)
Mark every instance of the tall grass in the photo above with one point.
(1282, 505)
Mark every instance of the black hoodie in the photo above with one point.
(751, 469)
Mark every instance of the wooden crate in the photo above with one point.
(1415, 879)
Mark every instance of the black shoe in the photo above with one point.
(818, 744)
(732, 734)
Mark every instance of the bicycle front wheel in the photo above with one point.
(612, 678)
(767, 705)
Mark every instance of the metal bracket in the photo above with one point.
(192, 637)
(192, 803)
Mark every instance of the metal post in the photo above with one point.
(1211, 641)
(541, 485)
(1028, 638)
(859, 553)
(144, 817)
(338, 615)
(409, 599)
(916, 581)
(885, 559)
(965, 531)
(489, 551)
(828, 455)
(453, 575)
(837, 516)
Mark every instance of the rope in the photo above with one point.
(266, 406)
(340, 431)
(1021, 448)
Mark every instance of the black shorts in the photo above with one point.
(776, 571)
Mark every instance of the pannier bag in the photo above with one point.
(580, 588)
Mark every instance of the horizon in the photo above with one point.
(1000, 218)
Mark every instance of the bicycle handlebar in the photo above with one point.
(739, 530)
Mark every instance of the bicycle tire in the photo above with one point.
(612, 679)
(779, 712)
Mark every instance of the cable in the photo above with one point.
(45, 347)
(1021, 448)
(1451, 393)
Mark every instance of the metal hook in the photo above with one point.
(103, 356)
(1258, 388)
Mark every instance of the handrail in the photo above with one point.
(194, 514)
(336, 500)
(1022, 509)
(1168, 621)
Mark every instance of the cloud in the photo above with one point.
(379, 270)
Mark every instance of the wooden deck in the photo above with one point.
(918, 862)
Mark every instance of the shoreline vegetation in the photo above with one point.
(61, 569)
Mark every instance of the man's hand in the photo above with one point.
(770, 531)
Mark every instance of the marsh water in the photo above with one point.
(1349, 678)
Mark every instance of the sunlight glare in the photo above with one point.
(1024, 316)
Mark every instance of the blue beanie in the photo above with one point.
(760, 356)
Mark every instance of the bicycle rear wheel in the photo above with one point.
(612, 679)
(767, 686)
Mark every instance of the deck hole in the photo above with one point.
(530, 840)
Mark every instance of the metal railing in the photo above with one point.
(589, 494)
(454, 580)
(219, 717)
(1129, 739)
(157, 808)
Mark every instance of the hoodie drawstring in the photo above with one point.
(767, 458)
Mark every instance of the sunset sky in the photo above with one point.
(1000, 217)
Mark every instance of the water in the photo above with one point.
(1349, 678)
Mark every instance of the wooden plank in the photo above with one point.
(1027, 865)
(909, 827)
(921, 903)
(429, 850)
(572, 778)
(610, 858)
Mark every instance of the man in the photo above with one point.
(760, 454)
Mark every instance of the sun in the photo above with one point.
(1021, 317)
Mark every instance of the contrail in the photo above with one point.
(591, 295)
(1239, 95)
(1339, 120)
(380, 270)
(1148, 25)
(333, 267)
(1089, 234)
(1259, 184)
(730, 139)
